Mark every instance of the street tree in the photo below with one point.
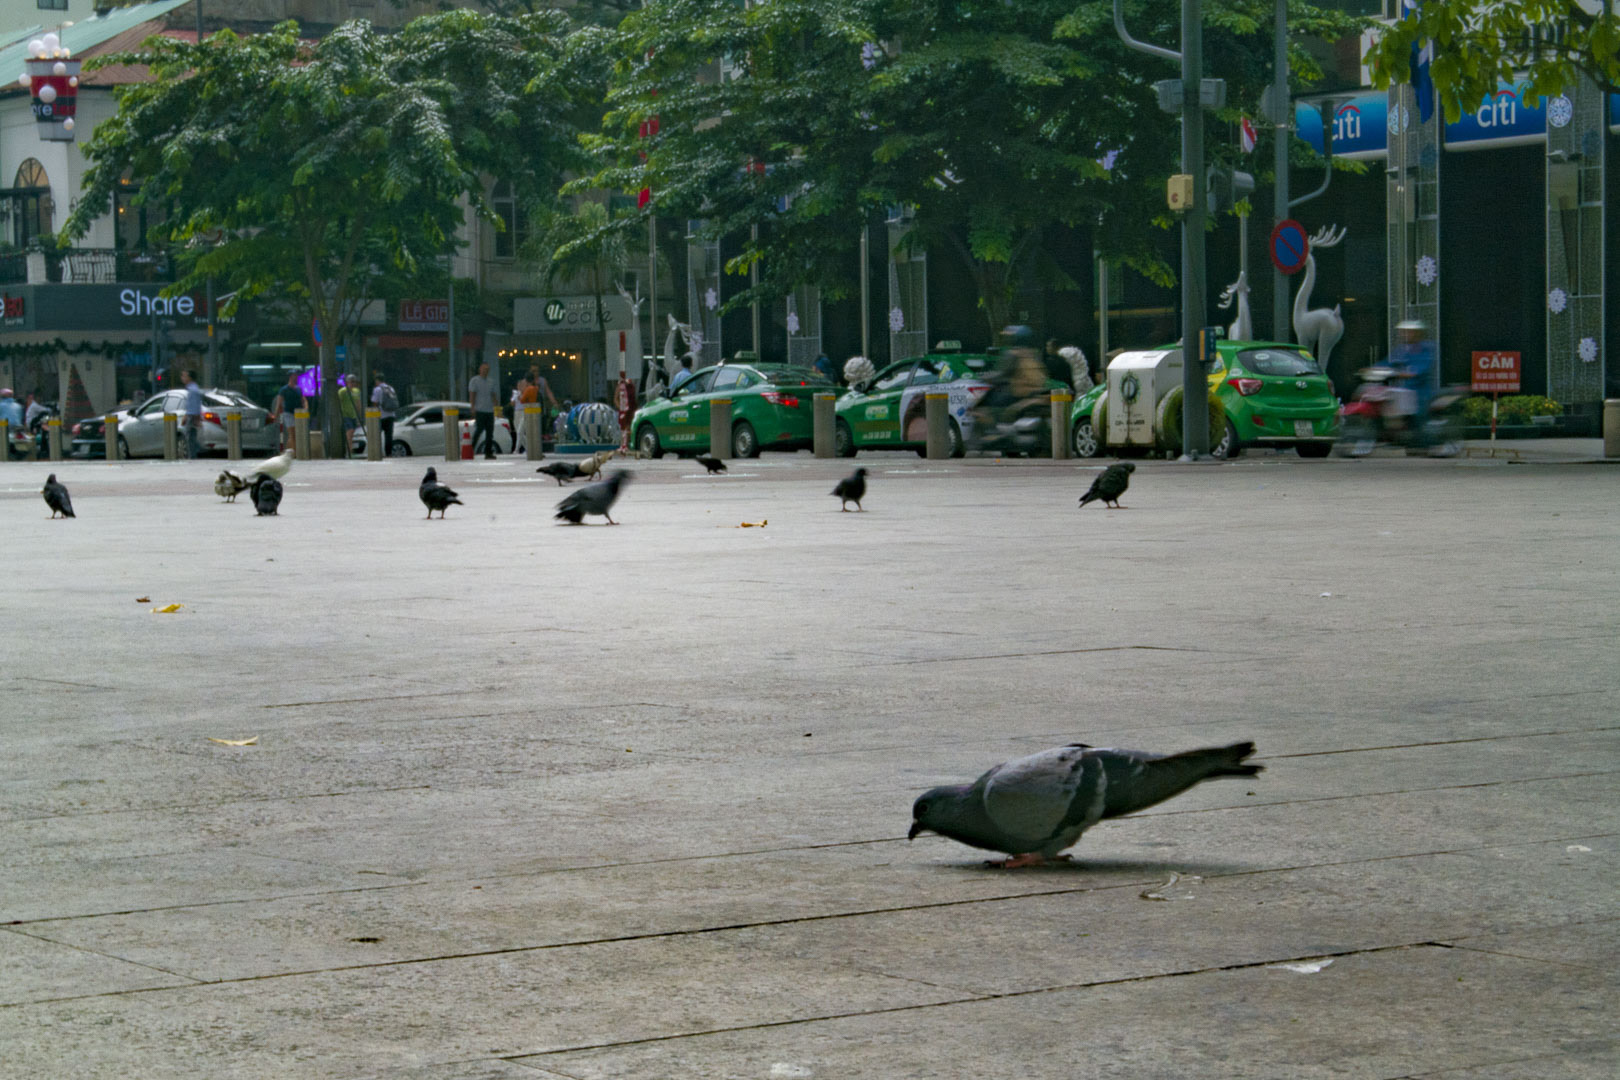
(323, 175)
(1479, 44)
(984, 124)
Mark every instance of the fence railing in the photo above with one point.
(88, 266)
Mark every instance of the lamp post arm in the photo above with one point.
(1140, 46)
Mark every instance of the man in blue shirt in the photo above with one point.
(12, 414)
(1413, 362)
(682, 376)
(193, 414)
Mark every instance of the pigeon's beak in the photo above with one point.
(916, 827)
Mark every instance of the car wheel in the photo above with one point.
(1313, 449)
(1229, 447)
(647, 440)
(399, 448)
(123, 449)
(1084, 439)
(843, 440)
(744, 443)
(955, 445)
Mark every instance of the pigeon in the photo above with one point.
(592, 466)
(274, 468)
(434, 495)
(851, 489)
(229, 486)
(561, 471)
(266, 494)
(1110, 485)
(713, 464)
(593, 499)
(56, 497)
(1034, 807)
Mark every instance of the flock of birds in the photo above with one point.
(1030, 809)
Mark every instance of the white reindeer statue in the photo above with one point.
(672, 362)
(1317, 329)
(1242, 328)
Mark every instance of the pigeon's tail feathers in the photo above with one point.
(571, 513)
(1137, 781)
(1090, 496)
(1222, 760)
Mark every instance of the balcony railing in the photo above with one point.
(85, 266)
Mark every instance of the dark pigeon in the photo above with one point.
(593, 499)
(1034, 807)
(851, 489)
(434, 495)
(561, 471)
(713, 464)
(228, 486)
(1110, 485)
(56, 497)
(266, 492)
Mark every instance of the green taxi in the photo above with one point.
(1272, 394)
(772, 405)
(888, 412)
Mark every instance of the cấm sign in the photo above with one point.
(1496, 373)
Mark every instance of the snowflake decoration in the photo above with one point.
(897, 320)
(1587, 349)
(869, 55)
(694, 342)
(793, 322)
(1428, 271)
(711, 299)
(1560, 111)
(1400, 118)
(1557, 301)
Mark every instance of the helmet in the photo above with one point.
(1018, 336)
(6, 392)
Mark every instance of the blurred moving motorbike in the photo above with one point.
(1382, 413)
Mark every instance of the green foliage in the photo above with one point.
(1515, 409)
(1481, 43)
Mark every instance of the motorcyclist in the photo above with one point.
(1412, 361)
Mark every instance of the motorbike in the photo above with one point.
(1372, 418)
(1006, 424)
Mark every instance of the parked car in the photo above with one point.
(1273, 394)
(419, 430)
(889, 412)
(772, 406)
(140, 428)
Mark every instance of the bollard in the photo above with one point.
(720, 428)
(374, 446)
(533, 448)
(53, 437)
(5, 439)
(452, 435)
(301, 434)
(109, 433)
(1611, 428)
(171, 431)
(233, 436)
(1061, 448)
(938, 411)
(824, 429)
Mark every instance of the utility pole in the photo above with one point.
(1190, 96)
(1282, 125)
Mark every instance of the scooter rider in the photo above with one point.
(1412, 361)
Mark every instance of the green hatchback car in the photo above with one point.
(772, 405)
(1273, 394)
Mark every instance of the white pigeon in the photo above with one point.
(275, 468)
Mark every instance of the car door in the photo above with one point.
(876, 417)
(687, 419)
(143, 432)
(728, 379)
(424, 431)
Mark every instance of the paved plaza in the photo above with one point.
(535, 801)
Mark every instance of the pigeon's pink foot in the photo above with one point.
(1030, 858)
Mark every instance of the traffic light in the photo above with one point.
(1227, 187)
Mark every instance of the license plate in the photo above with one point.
(252, 423)
(1303, 429)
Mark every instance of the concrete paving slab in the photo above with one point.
(39, 970)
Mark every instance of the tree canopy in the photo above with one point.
(1479, 44)
(326, 174)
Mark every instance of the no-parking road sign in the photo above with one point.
(1289, 246)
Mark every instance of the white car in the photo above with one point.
(419, 430)
(140, 429)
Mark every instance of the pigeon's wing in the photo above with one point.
(1045, 794)
(574, 500)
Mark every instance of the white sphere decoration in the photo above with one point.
(51, 41)
(59, 68)
(47, 93)
(24, 79)
(67, 125)
(36, 47)
(73, 80)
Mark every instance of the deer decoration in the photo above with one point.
(1317, 329)
(1242, 328)
(672, 362)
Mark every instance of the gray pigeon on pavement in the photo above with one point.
(266, 491)
(851, 489)
(713, 464)
(593, 499)
(560, 471)
(434, 495)
(1033, 807)
(1110, 485)
(56, 497)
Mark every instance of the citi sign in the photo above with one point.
(1347, 123)
(135, 302)
(1501, 109)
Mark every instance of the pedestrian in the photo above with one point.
(34, 412)
(624, 400)
(10, 411)
(387, 402)
(193, 414)
(289, 399)
(349, 409)
(824, 367)
(682, 376)
(481, 390)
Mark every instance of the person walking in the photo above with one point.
(193, 414)
(349, 410)
(288, 400)
(387, 403)
(624, 401)
(481, 390)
